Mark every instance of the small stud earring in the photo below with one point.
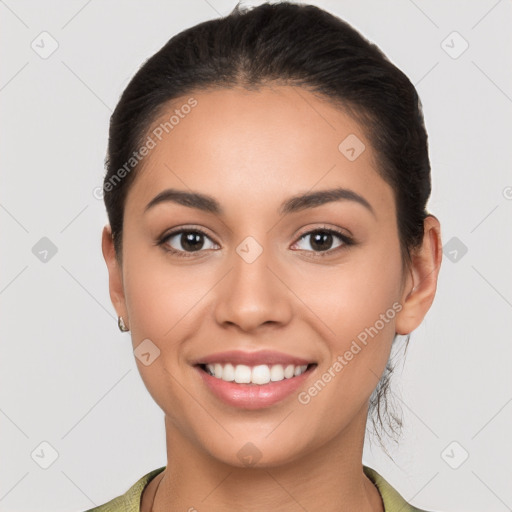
(121, 324)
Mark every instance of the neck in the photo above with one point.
(329, 479)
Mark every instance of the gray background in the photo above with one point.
(68, 376)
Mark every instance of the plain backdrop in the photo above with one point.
(71, 397)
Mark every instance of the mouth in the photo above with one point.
(252, 387)
(259, 375)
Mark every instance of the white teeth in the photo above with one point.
(228, 373)
(276, 373)
(242, 374)
(260, 374)
(289, 371)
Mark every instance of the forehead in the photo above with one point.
(252, 147)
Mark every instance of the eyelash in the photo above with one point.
(347, 241)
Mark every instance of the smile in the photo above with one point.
(254, 387)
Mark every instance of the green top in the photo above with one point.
(130, 500)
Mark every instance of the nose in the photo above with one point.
(254, 293)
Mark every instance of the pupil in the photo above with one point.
(319, 239)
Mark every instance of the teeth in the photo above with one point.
(289, 371)
(228, 373)
(260, 374)
(242, 374)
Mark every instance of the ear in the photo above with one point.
(421, 284)
(115, 275)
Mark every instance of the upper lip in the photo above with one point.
(268, 357)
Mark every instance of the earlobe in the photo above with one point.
(420, 290)
(115, 277)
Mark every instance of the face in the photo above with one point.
(256, 277)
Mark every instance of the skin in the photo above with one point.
(251, 151)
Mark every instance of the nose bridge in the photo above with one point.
(251, 294)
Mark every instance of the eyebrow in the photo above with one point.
(294, 204)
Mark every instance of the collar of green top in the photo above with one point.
(130, 500)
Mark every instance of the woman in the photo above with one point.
(268, 239)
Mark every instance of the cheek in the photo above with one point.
(162, 300)
(160, 295)
(357, 304)
(352, 296)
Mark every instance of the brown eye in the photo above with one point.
(322, 240)
(185, 241)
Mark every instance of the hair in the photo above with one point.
(284, 44)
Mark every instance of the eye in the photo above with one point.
(185, 241)
(322, 239)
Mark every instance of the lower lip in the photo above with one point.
(253, 396)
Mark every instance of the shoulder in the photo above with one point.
(393, 501)
(130, 500)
